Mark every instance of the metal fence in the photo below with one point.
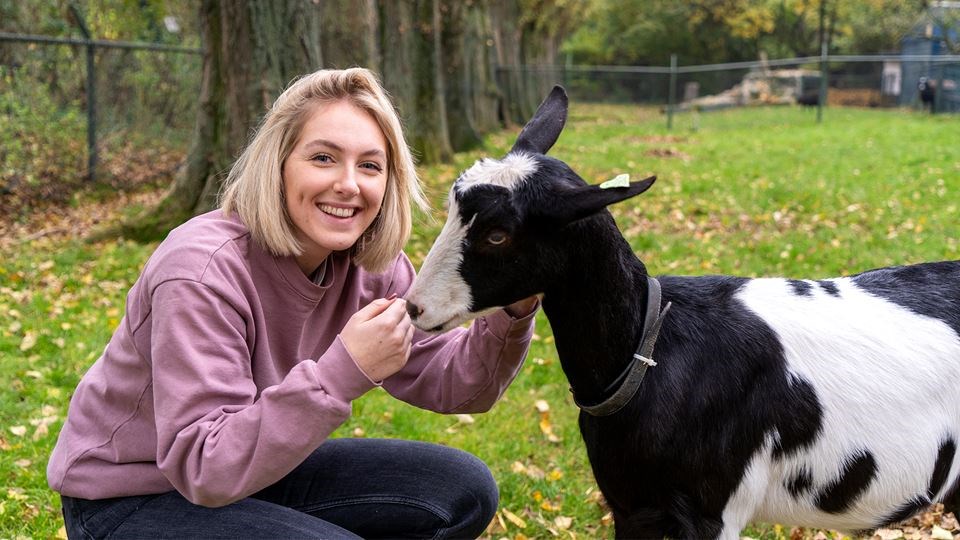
(133, 103)
(930, 82)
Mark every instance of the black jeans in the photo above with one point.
(348, 488)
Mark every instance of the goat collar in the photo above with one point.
(629, 381)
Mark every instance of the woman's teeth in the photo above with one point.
(339, 212)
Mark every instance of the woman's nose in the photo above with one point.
(347, 184)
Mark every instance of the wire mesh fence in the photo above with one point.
(918, 82)
(134, 103)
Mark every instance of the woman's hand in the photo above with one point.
(379, 337)
(522, 308)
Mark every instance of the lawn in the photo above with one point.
(753, 192)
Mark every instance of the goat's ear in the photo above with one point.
(584, 201)
(544, 128)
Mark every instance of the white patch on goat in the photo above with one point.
(439, 289)
(506, 172)
(859, 352)
(746, 499)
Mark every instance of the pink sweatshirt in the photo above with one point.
(227, 370)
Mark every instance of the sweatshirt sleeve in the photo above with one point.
(465, 369)
(217, 440)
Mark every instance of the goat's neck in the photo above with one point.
(596, 310)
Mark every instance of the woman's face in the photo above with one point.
(334, 180)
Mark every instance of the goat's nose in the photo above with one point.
(414, 310)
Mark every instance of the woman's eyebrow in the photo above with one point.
(334, 146)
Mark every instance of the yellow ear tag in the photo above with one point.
(620, 180)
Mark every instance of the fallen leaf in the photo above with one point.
(555, 475)
(29, 340)
(939, 533)
(465, 419)
(888, 534)
(513, 518)
(19, 431)
(358, 432)
(563, 522)
(542, 406)
(549, 506)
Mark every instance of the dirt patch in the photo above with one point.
(61, 222)
(668, 153)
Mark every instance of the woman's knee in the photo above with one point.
(475, 498)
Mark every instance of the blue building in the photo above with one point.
(934, 34)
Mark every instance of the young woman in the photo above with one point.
(252, 329)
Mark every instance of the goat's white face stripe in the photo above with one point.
(506, 172)
(439, 288)
(834, 342)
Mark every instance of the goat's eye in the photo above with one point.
(497, 238)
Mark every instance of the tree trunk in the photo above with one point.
(251, 52)
(481, 61)
(457, 76)
(348, 34)
(429, 136)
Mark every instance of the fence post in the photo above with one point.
(937, 104)
(822, 94)
(91, 96)
(672, 91)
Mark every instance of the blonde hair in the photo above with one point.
(254, 187)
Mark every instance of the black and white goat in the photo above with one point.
(830, 403)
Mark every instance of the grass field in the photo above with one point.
(750, 192)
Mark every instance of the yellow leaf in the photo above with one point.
(537, 496)
(554, 475)
(513, 518)
(547, 428)
(549, 506)
(62, 533)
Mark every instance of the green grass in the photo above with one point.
(750, 192)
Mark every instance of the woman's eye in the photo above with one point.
(322, 158)
(372, 166)
(496, 238)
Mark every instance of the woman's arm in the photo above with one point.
(217, 439)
